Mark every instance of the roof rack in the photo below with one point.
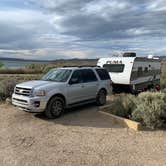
(89, 66)
(83, 66)
(69, 66)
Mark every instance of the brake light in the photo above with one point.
(157, 87)
(111, 83)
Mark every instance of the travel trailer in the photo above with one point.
(132, 74)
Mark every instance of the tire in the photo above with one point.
(101, 97)
(55, 107)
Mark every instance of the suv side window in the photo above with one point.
(103, 74)
(89, 76)
(77, 77)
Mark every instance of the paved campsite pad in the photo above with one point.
(82, 136)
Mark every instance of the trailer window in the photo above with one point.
(139, 72)
(146, 69)
(117, 68)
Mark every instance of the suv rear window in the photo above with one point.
(103, 74)
(117, 68)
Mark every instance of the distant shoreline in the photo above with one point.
(25, 60)
(35, 60)
(17, 63)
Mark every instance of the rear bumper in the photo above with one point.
(29, 104)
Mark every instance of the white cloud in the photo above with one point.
(158, 6)
(138, 31)
(105, 9)
(20, 16)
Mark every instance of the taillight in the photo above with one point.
(111, 83)
(157, 87)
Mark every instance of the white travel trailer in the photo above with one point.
(132, 74)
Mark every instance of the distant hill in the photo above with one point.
(18, 59)
(35, 60)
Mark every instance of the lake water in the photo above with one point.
(17, 64)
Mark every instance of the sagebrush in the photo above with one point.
(150, 109)
(123, 105)
(7, 88)
(163, 74)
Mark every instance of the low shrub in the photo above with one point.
(7, 88)
(8, 83)
(36, 67)
(163, 74)
(49, 67)
(150, 109)
(1, 64)
(123, 105)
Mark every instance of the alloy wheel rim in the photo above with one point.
(102, 98)
(57, 108)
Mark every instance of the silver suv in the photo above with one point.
(62, 88)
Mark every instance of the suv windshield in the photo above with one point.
(57, 75)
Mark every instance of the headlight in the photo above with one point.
(40, 93)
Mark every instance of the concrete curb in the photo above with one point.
(120, 120)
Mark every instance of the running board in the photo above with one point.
(81, 103)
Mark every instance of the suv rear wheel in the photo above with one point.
(101, 97)
(55, 107)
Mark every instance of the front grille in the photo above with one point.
(23, 91)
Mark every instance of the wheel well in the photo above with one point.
(58, 95)
(104, 90)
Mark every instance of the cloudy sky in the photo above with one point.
(53, 29)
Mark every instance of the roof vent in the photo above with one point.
(152, 57)
(129, 54)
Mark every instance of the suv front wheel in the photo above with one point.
(101, 97)
(55, 107)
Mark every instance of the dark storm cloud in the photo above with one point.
(21, 29)
(62, 6)
(133, 20)
(14, 37)
(84, 27)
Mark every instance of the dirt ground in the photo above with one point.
(82, 136)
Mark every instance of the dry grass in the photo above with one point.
(20, 77)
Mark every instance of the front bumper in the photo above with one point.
(28, 104)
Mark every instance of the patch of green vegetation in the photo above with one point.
(148, 108)
(122, 105)
(163, 74)
(7, 88)
(1, 64)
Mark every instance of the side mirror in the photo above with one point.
(74, 81)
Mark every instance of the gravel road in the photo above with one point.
(82, 136)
